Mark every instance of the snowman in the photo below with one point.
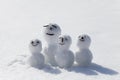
(36, 59)
(84, 56)
(64, 57)
(51, 33)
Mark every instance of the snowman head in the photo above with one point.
(35, 46)
(51, 33)
(64, 41)
(84, 41)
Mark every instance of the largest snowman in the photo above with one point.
(51, 33)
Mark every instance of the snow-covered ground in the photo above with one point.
(22, 20)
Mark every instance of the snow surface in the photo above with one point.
(22, 21)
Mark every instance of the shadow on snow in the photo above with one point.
(93, 69)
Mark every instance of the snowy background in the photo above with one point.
(22, 20)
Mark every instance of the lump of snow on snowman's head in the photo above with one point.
(35, 46)
(64, 41)
(84, 41)
(51, 32)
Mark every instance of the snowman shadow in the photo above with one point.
(51, 70)
(83, 70)
(93, 69)
(102, 70)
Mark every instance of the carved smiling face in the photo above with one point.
(83, 41)
(64, 41)
(35, 46)
(51, 32)
(35, 43)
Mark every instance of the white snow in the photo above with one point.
(36, 59)
(51, 33)
(83, 56)
(22, 20)
(64, 57)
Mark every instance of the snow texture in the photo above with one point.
(23, 20)
(84, 56)
(36, 59)
(51, 33)
(65, 57)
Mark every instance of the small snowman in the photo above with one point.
(64, 57)
(51, 33)
(36, 59)
(84, 56)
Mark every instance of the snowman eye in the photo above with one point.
(32, 42)
(66, 39)
(38, 42)
(54, 26)
(79, 37)
(82, 37)
(46, 26)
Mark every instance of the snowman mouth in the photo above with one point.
(34, 44)
(61, 43)
(49, 34)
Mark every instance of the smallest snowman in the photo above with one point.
(36, 59)
(84, 56)
(64, 57)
